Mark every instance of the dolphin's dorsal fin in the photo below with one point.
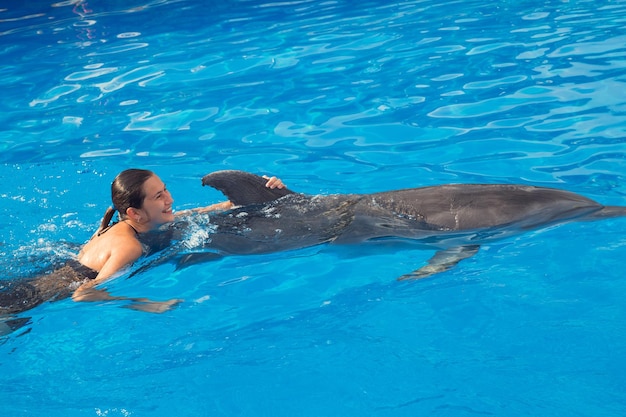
(243, 188)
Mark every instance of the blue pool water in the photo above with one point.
(333, 97)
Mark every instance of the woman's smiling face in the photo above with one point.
(157, 205)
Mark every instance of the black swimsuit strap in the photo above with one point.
(106, 229)
(81, 269)
(132, 227)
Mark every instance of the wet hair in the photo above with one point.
(126, 191)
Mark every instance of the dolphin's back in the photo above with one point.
(271, 220)
(479, 206)
(290, 222)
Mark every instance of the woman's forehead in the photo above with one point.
(153, 185)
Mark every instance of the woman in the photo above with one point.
(144, 204)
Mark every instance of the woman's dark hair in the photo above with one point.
(126, 191)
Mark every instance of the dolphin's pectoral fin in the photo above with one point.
(243, 188)
(189, 259)
(442, 261)
(10, 324)
(179, 260)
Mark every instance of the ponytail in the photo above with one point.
(106, 220)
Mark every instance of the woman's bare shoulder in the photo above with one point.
(115, 241)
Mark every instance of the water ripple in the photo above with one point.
(55, 93)
(141, 76)
(119, 49)
(177, 120)
(85, 75)
(431, 81)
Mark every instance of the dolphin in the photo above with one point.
(453, 219)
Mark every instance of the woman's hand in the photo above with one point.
(149, 306)
(273, 182)
(141, 304)
(86, 292)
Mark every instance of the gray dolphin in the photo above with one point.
(454, 219)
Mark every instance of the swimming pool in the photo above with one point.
(333, 97)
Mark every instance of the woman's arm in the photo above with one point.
(118, 250)
(272, 182)
(124, 253)
(137, 303)
(118, 260)
(223, 206)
